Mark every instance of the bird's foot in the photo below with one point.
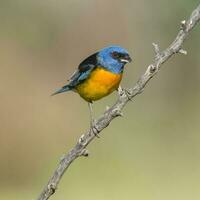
(128, 94)
(125, 91)
(93, 128)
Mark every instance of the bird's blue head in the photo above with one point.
(113, 58)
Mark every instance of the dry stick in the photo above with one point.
(80, 148)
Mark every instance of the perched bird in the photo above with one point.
(98, 75)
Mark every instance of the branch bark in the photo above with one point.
(125, 95)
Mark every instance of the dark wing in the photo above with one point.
(84, 70)
(91, 60)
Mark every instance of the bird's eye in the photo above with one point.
(115, 55)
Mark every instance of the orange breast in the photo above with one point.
(99, 84)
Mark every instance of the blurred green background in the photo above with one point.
(152, 153)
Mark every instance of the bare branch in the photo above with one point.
(116, 110)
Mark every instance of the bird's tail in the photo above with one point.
(61, 90)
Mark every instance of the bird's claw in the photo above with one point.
(125, 91)
(93, 129)
(95, 132)
(128, 94)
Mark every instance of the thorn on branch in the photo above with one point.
(152, 68)
(52, 188)
(182, 51)
(157, 50)
(119, 113)
(81, 140)
(190, 24)
(84, 152)
(183, 25)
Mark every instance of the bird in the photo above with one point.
(98, 75)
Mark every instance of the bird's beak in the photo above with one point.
(126, 59)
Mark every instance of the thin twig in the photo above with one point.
(116, 110)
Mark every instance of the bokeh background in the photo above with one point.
(152, 153)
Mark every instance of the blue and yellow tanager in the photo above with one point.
(98, 75)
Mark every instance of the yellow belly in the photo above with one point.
(99, 84)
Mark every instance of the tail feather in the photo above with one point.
(63, 89)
